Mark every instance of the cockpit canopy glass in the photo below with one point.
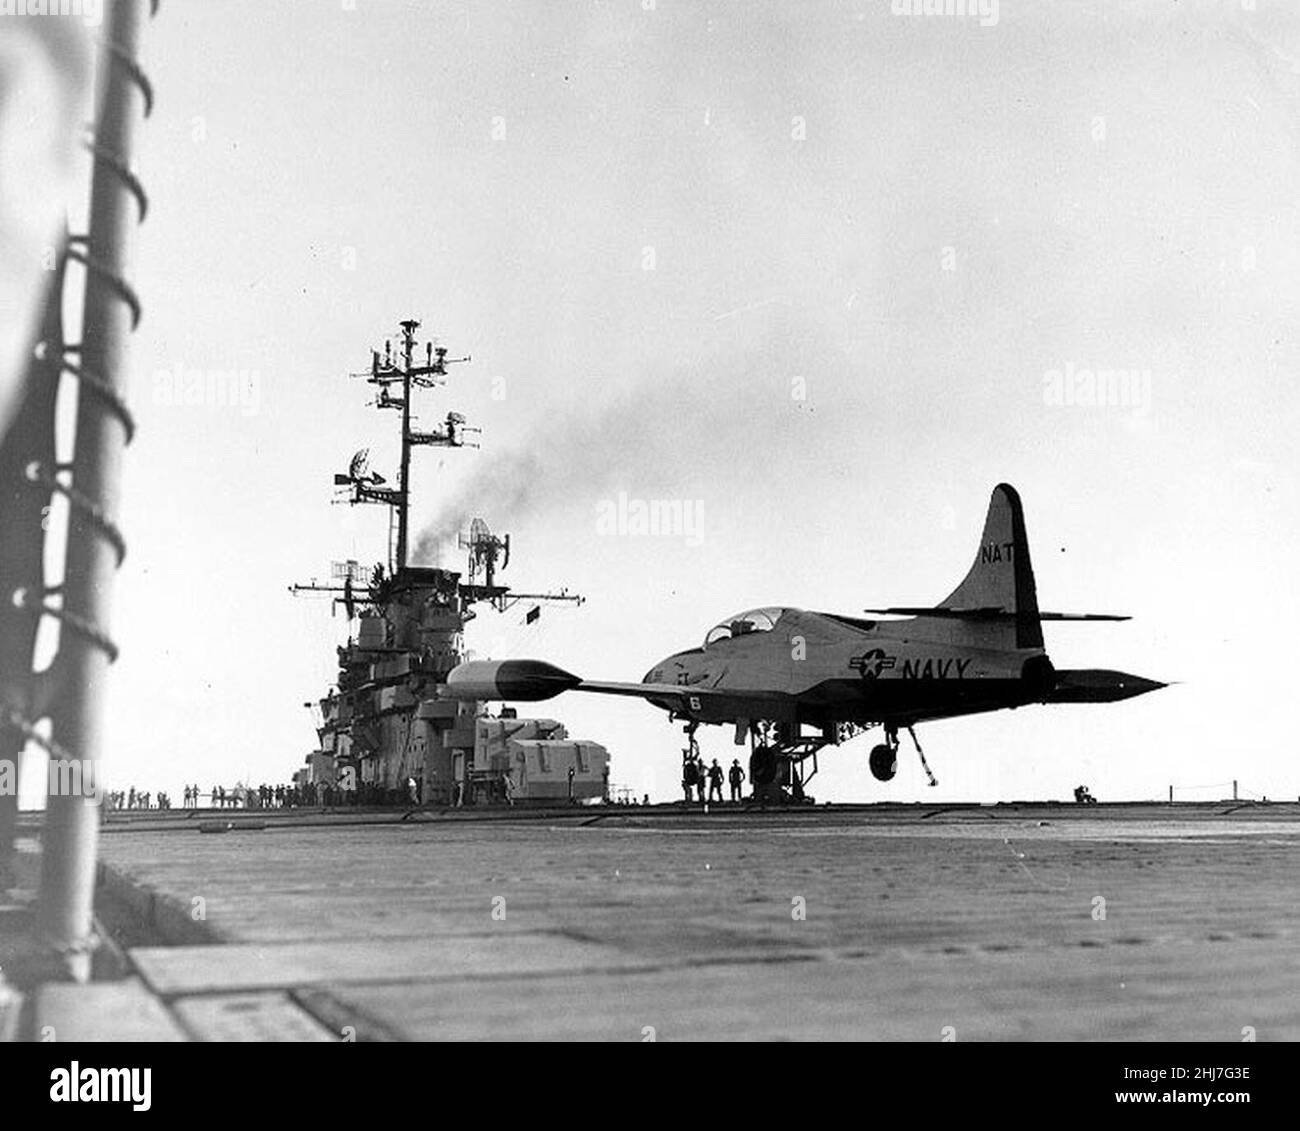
(742, 624)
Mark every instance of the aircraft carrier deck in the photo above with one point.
(625, 923)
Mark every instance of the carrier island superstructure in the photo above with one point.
(386, 737)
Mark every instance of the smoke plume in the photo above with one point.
(676, 438)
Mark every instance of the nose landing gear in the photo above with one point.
(778, 763)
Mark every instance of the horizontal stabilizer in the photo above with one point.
(987, 614)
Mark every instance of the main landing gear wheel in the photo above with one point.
(884, 761)
(884, 758)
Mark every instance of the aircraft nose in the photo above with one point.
(661, 672)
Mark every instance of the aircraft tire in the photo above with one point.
(883, 762)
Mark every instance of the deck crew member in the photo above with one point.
(737, 778)
(715, 781)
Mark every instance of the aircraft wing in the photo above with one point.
(643, 690)
(989, 613)
(533, 680)
(693, 700)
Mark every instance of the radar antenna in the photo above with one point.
(484, 549)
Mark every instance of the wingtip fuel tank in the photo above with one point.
(511, 680)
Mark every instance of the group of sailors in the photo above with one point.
(246, 797)
(237, 797)
(309, 794)
(698, 778)
(699, 783)
(136, 799)
(259, 797)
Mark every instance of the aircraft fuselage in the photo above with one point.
(820, 668)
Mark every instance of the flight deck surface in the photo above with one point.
(1025, 921)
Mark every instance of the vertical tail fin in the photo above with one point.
(1002, 577)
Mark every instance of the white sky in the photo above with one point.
(1117, 183)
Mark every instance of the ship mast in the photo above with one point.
(409, 376)
(403, 484)
(397, 378)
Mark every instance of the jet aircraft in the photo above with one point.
(794, 681)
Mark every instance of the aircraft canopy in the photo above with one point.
(742, 624)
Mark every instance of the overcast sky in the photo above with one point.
(654, 226)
